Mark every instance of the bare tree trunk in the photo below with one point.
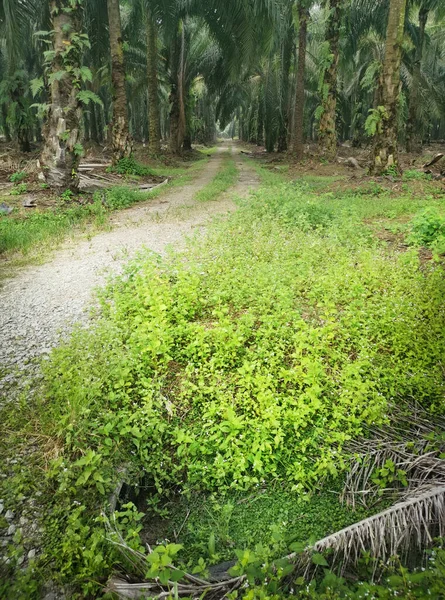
(298, 133)
(121, 140)
(260, 123)
(286, 64)
(327, 130)
(154, 132)
(177, 111)
(62, 129)
(385, 153)
(413, 138)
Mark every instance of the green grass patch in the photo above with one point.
(225, 179)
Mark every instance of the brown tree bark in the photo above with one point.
(62, 128)
(121, 140)
(154, 131)
(177, 110)
(298, 133)
(413, 138)
(385, 152)
(286, 64)
(327, 132)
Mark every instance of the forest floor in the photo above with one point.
(41, 302)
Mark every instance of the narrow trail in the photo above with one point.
(41, 303)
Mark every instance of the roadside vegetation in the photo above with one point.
(224, 180)
(224, 385)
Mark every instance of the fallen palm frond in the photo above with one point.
(406, 526)
(409, 452)
(190, 586)
(402, 458)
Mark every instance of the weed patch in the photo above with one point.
(222, 182)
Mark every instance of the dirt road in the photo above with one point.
(41, 303)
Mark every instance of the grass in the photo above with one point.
(242, 521)
(227, 381)
(224, 180)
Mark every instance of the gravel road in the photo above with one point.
(41, 303)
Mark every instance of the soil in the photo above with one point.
(42, 303)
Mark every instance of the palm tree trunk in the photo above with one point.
(5, 124)
(177, 111)
(298, 134)
(154, 132)
(260, 122)
(62, 129)
(327, 130)
(121, 140)
(284, 109)
(385, 153)
(413, 139)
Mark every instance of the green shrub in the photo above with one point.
(129, 166)
(19, 189)
(122, 197)
(257, 359)
(18, 177)
(414, 175)
(428, 229)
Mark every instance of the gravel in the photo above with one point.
(41, 303)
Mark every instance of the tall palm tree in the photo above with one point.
(121, 140)
(385, 152)
(298, 123)
(413, 125)
(154, 137)
(327, 127)
(61, 153)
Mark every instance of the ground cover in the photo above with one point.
(223, 384)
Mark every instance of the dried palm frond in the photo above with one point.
(407, 446)
(406, 526)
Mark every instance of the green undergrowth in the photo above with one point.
(233, 376)
(212, 526)
(225, 178)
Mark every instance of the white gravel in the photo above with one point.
(41, 303)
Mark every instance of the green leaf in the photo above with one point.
(56, 76)
(319, 559)
(36, 86)
(86, 96)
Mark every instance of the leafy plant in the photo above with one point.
(129, 166)
(373, 124)
(18, 177)
(428, 229)
(19, 189)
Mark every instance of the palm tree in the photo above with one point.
(121, 140)
(298, 132)
(154, 137)
(413, 125)
(327, 127)
(385, 152)
(61, 152)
